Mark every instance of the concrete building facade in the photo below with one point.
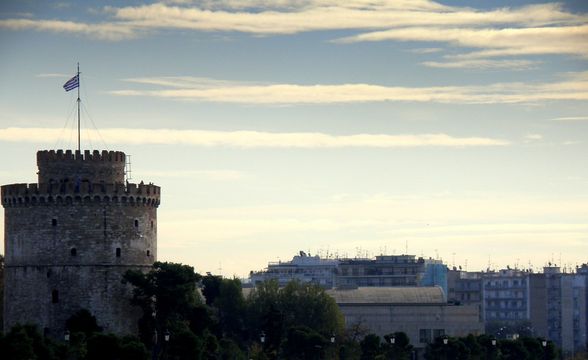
(559, 308)
(70, 237)
(382, 271)
(506, 296)
(302, 267)
(420, 312)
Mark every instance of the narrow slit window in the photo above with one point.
(148, 253)
(136, 223)
(151, 224)
(53, 222)
(54, 296)
(73, 251)
(117, 252)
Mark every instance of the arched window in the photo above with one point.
(73, 251)
(136, 223)
(148, 253)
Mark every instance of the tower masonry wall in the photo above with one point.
(59, 166)
(69, 243)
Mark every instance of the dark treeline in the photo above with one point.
(187, 316)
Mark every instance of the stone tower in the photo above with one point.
(70, 238)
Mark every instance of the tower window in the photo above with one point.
(117, 252)
(151, 224)
(148, 253)
(136, 223)
(73, 251)
(54, 296)
(53, 222)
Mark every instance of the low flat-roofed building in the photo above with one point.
(420, 312)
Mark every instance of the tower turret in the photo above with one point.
(70, 238)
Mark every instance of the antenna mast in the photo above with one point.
(79, 101)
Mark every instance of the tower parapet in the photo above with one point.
(70, 238)
(63, 166)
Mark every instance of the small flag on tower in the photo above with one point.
(72, 83)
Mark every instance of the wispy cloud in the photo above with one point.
(571, 118)
(295, 16)
(102, 31)
(483, 64)
(215, 175)
(329, 15)
(425, 50)
(255, 139)
(533, 138)
(52, 75)
(573, 87)
(495, 42)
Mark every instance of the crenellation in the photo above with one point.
(39, 194)
(86, 155)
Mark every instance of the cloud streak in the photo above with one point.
(103, 31)
(496, 42)
(255, 139)
(504, 32)
(574, 87)
(483, 64)
(329, 15)
(571, 118)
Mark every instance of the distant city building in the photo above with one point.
(559, 307)
(508, 302)
(506, 296)
(435, 274)
(303, 267)
(420, 312)
(382, 271)
(465, 288)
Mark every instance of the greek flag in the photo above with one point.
(72, 83)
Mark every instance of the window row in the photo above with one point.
(74, 252)
(135, 223)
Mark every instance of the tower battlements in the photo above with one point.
(50, 193)
(87, 155)
(94, 166)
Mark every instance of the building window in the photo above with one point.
(117, 252)
(438, 333)
(151, 224)
(54, 296)
(425, 336)
(148, 253)
(53, 222)
(136, 223)
(73, 251)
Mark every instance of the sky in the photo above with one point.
(455, 129)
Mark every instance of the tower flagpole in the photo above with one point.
(79, 147)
